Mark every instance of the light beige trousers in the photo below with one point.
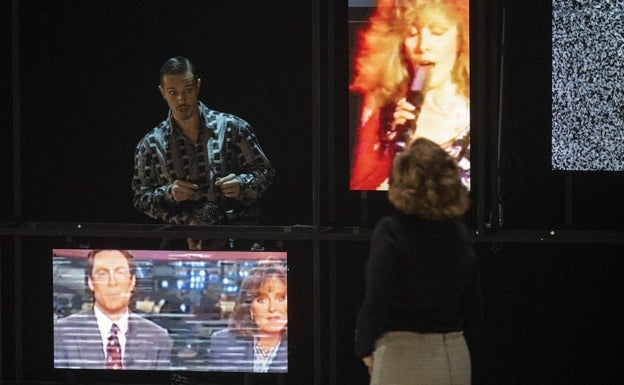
(408, 358)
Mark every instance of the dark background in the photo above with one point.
(88, 81)
(86, 93)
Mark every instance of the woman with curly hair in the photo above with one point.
(256, 339)
(407, 42)
(423, 291)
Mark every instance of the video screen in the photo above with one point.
(223, 311)
(409, 78)
(587, 86)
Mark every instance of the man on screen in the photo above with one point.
(110, 336)
(198, 166)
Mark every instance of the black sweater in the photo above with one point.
(421, 276)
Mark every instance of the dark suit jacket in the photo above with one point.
(77, 344)
(231, 352)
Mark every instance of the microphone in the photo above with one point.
(415, 94)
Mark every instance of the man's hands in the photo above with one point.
(230, 187)
(183, 190)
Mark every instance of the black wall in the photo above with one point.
(550, 314)
(532, 194)
(88, 75)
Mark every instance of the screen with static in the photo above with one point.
(587, 86)
(190, 295)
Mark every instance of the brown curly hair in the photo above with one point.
(240, 320)
(425, 181)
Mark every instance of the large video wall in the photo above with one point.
(85, 92)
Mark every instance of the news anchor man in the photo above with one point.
(110, 336)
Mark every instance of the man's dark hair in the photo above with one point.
(92, 254)
(176, 65)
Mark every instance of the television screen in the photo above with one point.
(222, 311)
(587, 86)
(409, 78)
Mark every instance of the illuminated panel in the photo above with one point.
(200, 311)
(587, 85)
(410, 78)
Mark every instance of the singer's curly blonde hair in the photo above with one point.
(381, 69)
(425, 181)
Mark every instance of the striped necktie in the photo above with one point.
(113, 350)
